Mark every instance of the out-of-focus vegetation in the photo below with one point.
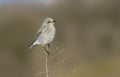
(88, 38)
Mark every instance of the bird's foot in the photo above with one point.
(48, 45)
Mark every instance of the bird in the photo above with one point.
(45, 34)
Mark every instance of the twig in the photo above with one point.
(47, 51)
(59, 53)
(46, 66)
(47, 60)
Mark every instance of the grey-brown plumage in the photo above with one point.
(45, 34)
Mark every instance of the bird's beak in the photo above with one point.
(54, 21)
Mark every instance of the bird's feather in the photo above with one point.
(34, 42)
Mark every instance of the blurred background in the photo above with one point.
(87, 43)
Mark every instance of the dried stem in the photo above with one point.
(46, 50)
(47, 60)
(46, 66)
(59, 53)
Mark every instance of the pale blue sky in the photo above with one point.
(41, 2)
(10, 1)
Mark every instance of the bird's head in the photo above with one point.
(49, 21)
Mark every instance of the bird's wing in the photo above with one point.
(43, 28)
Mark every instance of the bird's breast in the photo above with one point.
(50, 33)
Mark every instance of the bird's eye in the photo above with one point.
(54, 21)
(48, 21)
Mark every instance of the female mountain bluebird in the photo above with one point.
(45, 34)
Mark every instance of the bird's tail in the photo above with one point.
(30, 47)
(33, 44)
